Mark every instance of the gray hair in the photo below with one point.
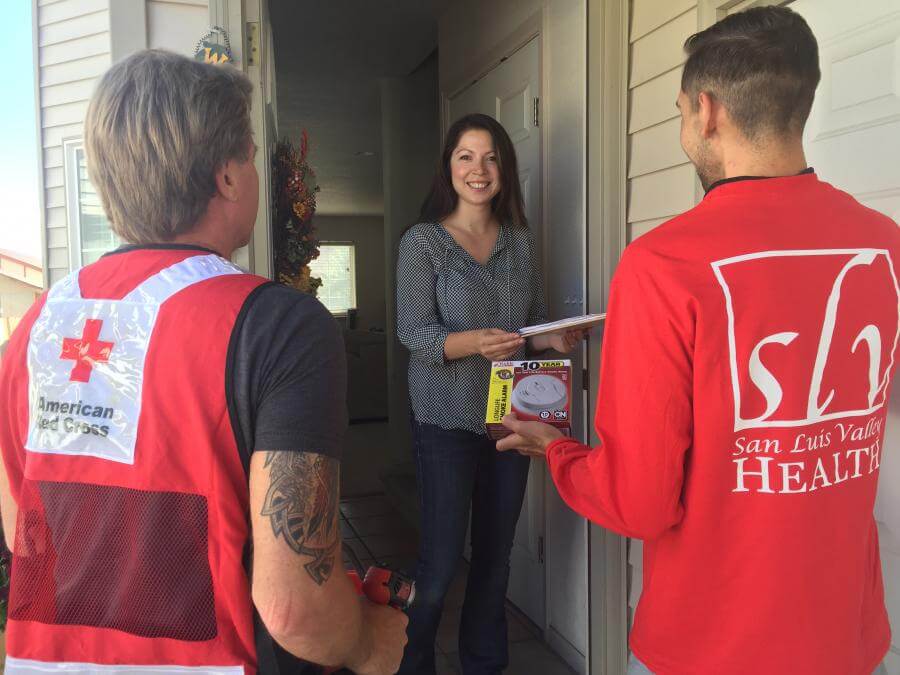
(157, 129)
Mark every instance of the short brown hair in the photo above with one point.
(157, 129)
(762, 64)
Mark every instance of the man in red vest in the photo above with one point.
(172, 427)
(746, 368)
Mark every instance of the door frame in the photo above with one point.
(235, 16)
(607, 155)
(532, 29)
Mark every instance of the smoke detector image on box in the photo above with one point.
(539, 393)
(533, 390)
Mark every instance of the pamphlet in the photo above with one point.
(586, 321)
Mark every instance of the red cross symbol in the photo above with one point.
(86, 351)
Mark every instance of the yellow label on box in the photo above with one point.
(499, 393)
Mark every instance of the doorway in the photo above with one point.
(386, 102)
(336, 66)
(290, 37)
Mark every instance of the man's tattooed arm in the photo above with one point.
(302, 505)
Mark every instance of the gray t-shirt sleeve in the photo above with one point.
(286, 375)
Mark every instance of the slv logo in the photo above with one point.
(824, 348)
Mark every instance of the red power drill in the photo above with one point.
(381, 585)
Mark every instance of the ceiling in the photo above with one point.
(329, 56)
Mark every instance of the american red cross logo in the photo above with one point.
(86, 351)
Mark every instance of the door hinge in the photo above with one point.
(585, 380)
(537, 111)
(252, 43)
(541, 550)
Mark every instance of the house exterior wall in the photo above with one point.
(661, 180)
(73, 50)
(16, 296)
(21, 283)
(77, 41)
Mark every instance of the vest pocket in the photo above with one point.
(112, 557)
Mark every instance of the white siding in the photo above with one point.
(54, 197)
(648, 15)
(95, 23)
(73, 50)
(661, 180)
(655, 148)
(54, 12)
(661, 50)
(77, 70)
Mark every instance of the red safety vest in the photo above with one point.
(132, 495)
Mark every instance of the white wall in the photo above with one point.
(473, 35)
(367, 232)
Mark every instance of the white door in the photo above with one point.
(508, 93)
(853, 141)
(250, 33)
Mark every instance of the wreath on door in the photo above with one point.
(294, 204)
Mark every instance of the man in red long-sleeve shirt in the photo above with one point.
(746, 368)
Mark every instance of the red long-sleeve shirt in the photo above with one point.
(745, 371)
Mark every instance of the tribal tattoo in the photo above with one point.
(301, 503)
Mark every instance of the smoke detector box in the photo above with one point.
(534, 390)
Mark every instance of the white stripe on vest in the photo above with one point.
(86, 362)
(16, 666)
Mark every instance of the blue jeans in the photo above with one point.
(455, 469)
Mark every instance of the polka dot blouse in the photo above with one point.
(442, 289)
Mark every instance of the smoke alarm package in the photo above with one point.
(533, 390)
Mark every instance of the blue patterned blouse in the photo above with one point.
(442, 289)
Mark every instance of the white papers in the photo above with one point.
(586, 321)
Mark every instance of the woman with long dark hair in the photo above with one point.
(467, 281)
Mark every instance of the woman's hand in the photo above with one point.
(563, 342)
(495, 344)
(492, 343)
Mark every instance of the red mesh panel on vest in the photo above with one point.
(113, 557)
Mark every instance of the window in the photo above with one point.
(89, 233)
(336, 266)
